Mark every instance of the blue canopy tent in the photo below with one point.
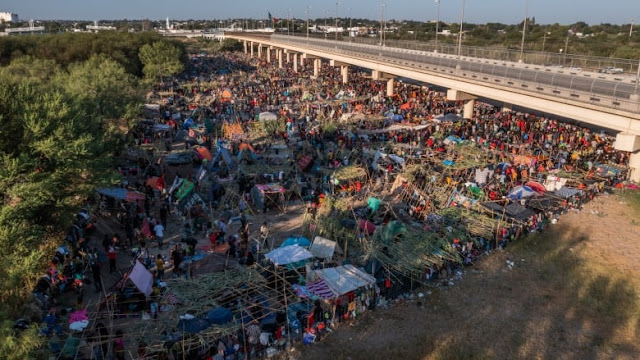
(296, 240)
(521, 192)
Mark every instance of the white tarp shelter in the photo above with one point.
(267, 116)
(288, 254)
(323, 248)
(142, 278)
(343, 279)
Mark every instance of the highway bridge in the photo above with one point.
(597, 99)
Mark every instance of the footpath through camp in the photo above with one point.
(260, 210)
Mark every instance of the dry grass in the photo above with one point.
(571, 295)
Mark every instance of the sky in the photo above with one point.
(476, 11)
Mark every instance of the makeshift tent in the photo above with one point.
(225, 155)
(264, 192)
(226, 95)
(321, 289)
(188, 123)
(296, 240)
(122, 194)
(367, 227)
(392, 230)
(288, 254)
(161, 127)
(322, 248)
(219, 316)
(373, 203)
(447, 118)
(536, 186)
(521, 192)
(519, 212)
(265, 116)
(178, 158)
(305, 162)
(343, 279)
(567, 192)
(193, 326)
(141, 278)
(184, 189)
(203, 153)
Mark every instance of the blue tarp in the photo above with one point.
(193, 326)
(187, 123)
(219, 316)
(296, 240)
(520, 192)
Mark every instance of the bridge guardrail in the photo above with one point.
(598, 92)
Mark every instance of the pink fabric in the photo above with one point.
(78, 316)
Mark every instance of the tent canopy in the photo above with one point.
(267, 116)
(323, 248)
(288, 254)
(142, 278)
(296, 240)
(343, 279)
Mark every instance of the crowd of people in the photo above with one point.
(336, 125)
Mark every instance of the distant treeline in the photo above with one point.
(69, 48)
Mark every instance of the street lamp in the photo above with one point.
(307, 21)
(381, 22)
(336, 23)
(437, 24)
(524, 29)
(349, 29)
(460, 34)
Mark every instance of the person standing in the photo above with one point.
(163, 214)
(160, 266)
(111, 255)
(159, 232)
(264, 234)
(95, 269)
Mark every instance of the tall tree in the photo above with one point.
(161, 59)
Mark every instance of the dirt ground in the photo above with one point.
(572, 294)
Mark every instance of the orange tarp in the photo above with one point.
(204, 153)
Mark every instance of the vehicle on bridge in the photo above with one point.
(611, 70)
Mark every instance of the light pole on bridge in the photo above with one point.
(460, 33)
(524, 29)
(437, 25)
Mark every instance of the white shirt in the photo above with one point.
(158, 229)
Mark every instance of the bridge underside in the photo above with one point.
(627, 124)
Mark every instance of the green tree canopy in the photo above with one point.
(161, 59)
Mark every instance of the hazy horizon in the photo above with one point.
(476, 11)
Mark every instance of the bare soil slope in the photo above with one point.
(572, 294)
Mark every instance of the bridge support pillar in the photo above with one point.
(469, 101)
(390, 84)
(288, 58)
(251, 46)
(630, 143)
(295, 63)
(316, 67)
(268, 54)
(344, 70)
(634, 166)
(467, 110)
(259, 50)
(280, 58)
(246, 49)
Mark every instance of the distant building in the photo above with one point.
(8, 17)
(32, 29)
(95, 27)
